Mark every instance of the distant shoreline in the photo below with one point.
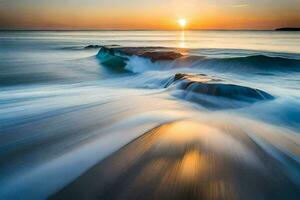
(288, 29)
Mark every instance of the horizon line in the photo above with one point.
(17, 29)
(139, 29)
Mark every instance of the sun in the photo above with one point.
(182, 22)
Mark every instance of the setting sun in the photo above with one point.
(182, 23)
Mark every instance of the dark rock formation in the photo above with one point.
(288, 29)
(152, 53)
(93, 47)
(201, 84)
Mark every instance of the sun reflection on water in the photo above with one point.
(182, 42)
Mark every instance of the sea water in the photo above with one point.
(62, 111)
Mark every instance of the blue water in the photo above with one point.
(62, 111)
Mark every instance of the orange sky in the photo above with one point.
(148, 14)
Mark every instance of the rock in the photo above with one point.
(93, 47)
(152, 53)
(201, 84)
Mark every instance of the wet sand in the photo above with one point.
(190, 160)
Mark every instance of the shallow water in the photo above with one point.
(62, 110)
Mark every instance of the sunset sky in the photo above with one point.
(148, 14)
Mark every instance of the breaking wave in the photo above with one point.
(249, 64)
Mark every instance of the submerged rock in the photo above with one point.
(193, 78)
(152, 53)
(149, 52)
(92, 47)
(116, 57)
(95, 46)
(195, 86)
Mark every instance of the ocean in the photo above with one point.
(74, 100)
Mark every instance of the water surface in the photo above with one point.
(63, 113)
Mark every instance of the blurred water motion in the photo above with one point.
(189, 160)
(219, 122)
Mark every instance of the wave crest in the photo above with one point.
(141, 59)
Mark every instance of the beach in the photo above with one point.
(189, 160)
